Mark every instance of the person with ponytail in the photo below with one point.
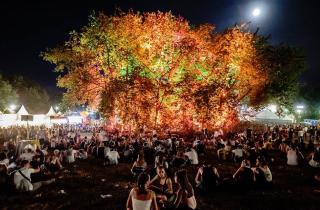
(141, 198)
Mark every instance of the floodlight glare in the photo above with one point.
(12, 107)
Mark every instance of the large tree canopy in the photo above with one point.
(155, 70)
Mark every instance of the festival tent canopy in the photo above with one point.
(266, 114)
(289, 117)
(22, 111)
(51, 112)
(8, 120)
(270, 117)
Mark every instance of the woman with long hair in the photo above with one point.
(162, 184)
(185, 199)
(141, 198)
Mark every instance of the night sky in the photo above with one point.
(29, 27)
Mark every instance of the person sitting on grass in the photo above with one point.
(162, 184)
(53, 163)
(262, 174)
(160, 160)
(70, 155)
(207, 178)
(244, 176)
(315, 158)
(139, 166)
(179, 161)
(113, 157)
(22, 178)
(184, 199)
(82, 154)
(141, 198)
(192, 156)
(283, 147)
(237, 153)
(28, 154)
(225, 151)
(292, 156)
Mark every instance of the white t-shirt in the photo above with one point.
(292, 157)
(26, 156)
(106, 151)
(267, 173)
(193, 156)
(300, 133)
(70, 155)
(238, 152)
(18, 178)
(5, 162)
(113, 157)
(53, 144)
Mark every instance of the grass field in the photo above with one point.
(85, 181)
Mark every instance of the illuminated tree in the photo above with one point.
(154, 70)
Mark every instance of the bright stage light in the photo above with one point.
(256, 12)
(273, 108)
(12, 107)
(300, 107)
(75, 119)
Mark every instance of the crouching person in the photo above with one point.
(22, 178)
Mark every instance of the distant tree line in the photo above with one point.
(17, 90)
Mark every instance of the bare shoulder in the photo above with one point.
(151, 193)
(132, 191)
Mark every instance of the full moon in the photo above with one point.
(256, 12)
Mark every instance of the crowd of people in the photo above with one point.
(159, 164)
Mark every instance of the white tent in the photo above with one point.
(22, 111)
(51, 112)
(289, 118)
(8, 120)
(266, 115)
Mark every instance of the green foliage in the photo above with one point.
(284, 65)
(32, 96)
(7, 94)
(309, 95)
